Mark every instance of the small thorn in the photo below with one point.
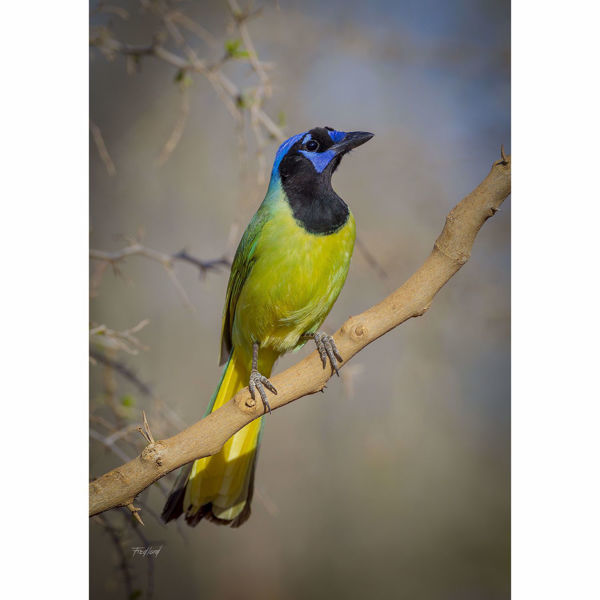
(503, 155)
(146, 430)
(135, 512)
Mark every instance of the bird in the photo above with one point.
(287, 273)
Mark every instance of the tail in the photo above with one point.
(219, 487)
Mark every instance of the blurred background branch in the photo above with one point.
(174, 27)
(166, 260)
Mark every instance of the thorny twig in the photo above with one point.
(111, 339)
(235, 99)
(203, 266)
(166, 260)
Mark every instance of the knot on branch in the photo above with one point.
(355, 329)
(153, 453)
(245, 403)
(358, 332)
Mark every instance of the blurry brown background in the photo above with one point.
(395, 483)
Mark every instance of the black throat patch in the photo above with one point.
(315, 205)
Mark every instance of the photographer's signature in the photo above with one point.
(146, 550)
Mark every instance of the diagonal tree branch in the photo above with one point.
(451, 251)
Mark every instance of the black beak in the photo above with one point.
(353, 139)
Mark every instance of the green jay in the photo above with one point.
(288, 271)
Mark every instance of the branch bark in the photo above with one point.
(451, 251)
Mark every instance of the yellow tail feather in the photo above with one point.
(220, 484)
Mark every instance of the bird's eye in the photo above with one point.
(312, 145)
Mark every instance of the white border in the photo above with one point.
(44, 299)
(556, 421)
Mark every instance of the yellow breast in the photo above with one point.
(294, 282)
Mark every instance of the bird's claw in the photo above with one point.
(327, 350)
(260, 382)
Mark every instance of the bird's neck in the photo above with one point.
(315, 205)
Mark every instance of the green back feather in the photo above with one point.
(240, 270)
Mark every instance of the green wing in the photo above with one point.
(240, 270)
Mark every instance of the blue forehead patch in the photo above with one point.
(337, 136)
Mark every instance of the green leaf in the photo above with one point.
(232, 46)
(128, 401)
(234, 50)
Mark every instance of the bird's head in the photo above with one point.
(310, 158)
(303, 168)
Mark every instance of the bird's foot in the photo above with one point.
(327, 350)
(260, 382)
